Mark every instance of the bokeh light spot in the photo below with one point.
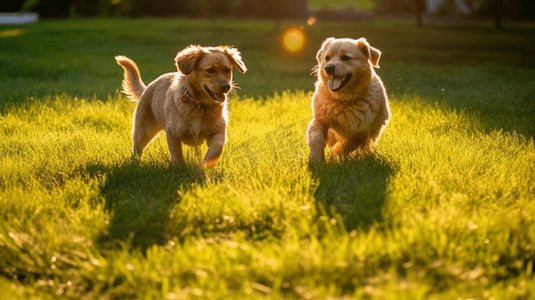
(311, 20)
(293, 39)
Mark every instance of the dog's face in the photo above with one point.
(209, 69)
(345, 63)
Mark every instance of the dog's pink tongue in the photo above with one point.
(334, 83)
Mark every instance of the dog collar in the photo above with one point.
(185, 98)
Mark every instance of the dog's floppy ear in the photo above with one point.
(371, 53)
(187, 59)
(235, 57)
(323, 47)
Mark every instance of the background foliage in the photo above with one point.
(277, 9)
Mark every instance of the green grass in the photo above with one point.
(443, 210)
(365, 5)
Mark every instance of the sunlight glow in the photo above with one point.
(293, 39)
(11, 32)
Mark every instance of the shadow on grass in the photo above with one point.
(514, 114)
(140, 197)
(355, 188)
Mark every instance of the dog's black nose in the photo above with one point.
(329, 69)
(225, 87)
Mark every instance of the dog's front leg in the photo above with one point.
(215, 148)
(175, 148)
(316, 134)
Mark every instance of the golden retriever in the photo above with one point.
(189, 105)
(350, 106)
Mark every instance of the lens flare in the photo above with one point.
(293, 39)
(311, 20)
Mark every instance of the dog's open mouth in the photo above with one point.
(216, 97)
(336, 83)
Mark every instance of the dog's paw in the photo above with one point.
(209, 163)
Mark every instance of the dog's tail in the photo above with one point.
(132, 84)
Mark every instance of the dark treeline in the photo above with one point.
(277, 9)
(509, 9)
(137, 8)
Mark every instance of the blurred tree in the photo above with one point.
(49, 8)
(498, 6)
(420, 9)
(395, 7)
(301, 8)
(497, 10)
(89, 8)
(276, 9)
(11, 6)
(218, 8)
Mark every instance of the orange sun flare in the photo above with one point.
(293, 39)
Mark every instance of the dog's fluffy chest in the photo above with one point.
(191, 133)
(348, 117)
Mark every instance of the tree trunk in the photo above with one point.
(420, 9)
(498, 6)
(302, 9)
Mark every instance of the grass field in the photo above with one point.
(363, 5)
(444, 209)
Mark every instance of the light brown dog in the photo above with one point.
(350, 106)
(189, 105)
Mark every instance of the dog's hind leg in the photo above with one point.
(144, 131)
(141, 138)
(215, 148)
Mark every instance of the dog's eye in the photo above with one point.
(227, 70)
(210, 70)
(346, 58)
(327, 57)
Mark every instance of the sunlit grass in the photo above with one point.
(448, 203)
(338, 5)
(9, 33)
(444, 209)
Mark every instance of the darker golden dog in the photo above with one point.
(189, 105)
(350, 105)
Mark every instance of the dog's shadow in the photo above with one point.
(355, 188)
(139, 198)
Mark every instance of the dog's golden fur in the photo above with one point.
(189, 105)
(350, 105)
